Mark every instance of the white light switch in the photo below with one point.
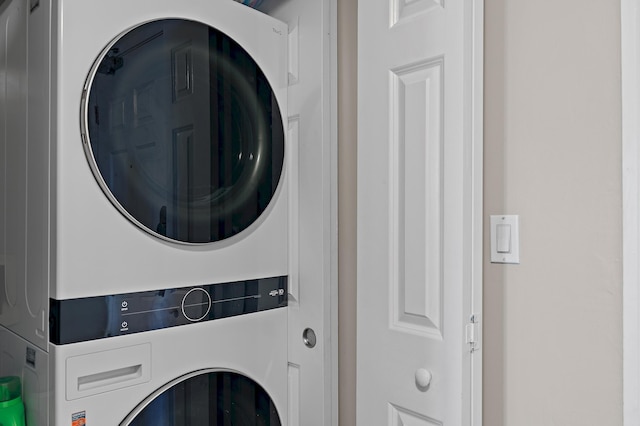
(505, 244)
(503, 238)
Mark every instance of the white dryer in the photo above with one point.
(145, 151)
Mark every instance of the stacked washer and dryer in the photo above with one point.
(144, 240)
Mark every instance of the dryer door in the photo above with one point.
(207, 398)
(183, 131)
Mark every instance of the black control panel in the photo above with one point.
(78, 320)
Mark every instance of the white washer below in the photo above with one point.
(229, 371)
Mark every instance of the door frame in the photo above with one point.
(476, 105)
(630, 85)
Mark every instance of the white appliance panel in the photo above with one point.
(98, 251)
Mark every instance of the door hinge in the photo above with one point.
(472, 333)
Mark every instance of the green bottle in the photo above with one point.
(11, 406)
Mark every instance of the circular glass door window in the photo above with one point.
(183, 132)
(209, 398)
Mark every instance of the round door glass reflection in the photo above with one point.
(183, 131)
(210, 399)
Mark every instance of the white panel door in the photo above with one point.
(313, 234)
(418, 213)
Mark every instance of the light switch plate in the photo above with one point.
(505, 226)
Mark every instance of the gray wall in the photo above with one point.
(553, 324)
(347, 136)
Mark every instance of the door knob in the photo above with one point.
(309, 337)
(423, 378)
